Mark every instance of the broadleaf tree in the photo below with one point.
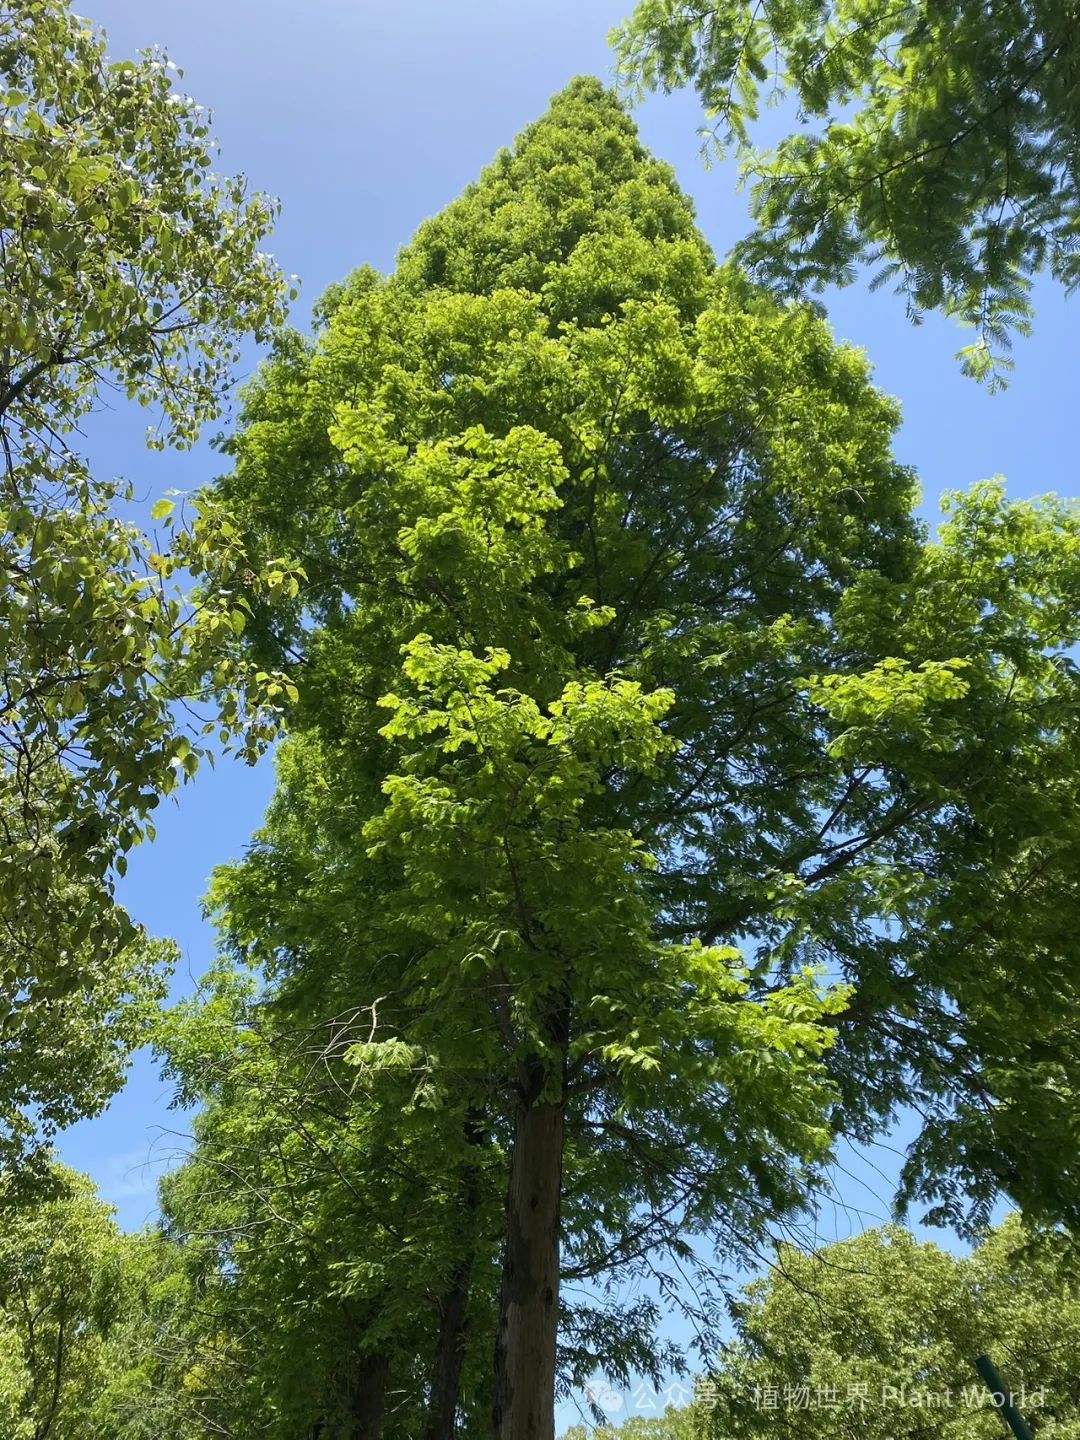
(61, 1291)
(937, 143)
(100, 1333)
(127, 266)
(654, 778)
(326, 1223)
(878, 1335)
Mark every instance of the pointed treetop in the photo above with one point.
(577, 193)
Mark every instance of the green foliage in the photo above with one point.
(317, 1217)
(877, 1336)
(647, 761)
(66, 1041)
(124, 255)
(100, 1332)
(125, 262)
(937, 141)
(162, 1367)
(673, 1424)
(61, 1289)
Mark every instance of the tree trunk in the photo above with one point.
(367, 1401)
(450, 1346)
(524, 1395)
(449, 1354)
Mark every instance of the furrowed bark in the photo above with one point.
(524, 1390)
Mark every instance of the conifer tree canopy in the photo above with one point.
(659, 798)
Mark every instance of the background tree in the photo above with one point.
(166, 1374)
(623, 659)
(125, 265)
(103, 1334)
(938, 142)
(323, 1213)
(61, 1287)
(674, 1424)
(829, 1342)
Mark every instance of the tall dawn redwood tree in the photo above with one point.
(633, 705)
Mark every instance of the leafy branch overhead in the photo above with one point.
(935, 143)
(127, 265)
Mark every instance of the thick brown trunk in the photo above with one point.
(524, 1395)
(449, 1355)
(368, 1398)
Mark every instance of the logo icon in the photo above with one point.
(600, 1394)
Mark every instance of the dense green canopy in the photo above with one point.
(636, 719)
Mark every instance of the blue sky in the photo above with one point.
(364, 119)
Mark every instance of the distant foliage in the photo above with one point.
(61, 1289)
(877, 1336)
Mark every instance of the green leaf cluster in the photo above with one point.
(125, 263)
(935, 142)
